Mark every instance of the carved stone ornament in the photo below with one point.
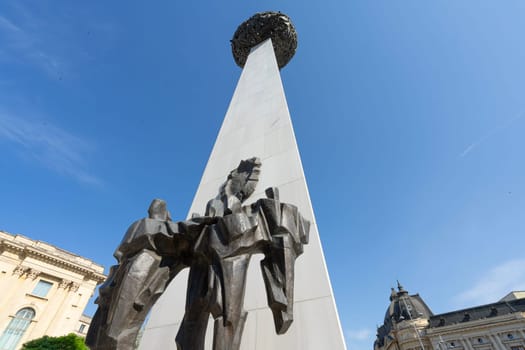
(64, 284)
(19, 270)
(74, 287)
(261, 26)
(217, 248)
(32, 273)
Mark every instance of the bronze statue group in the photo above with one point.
(217, 248)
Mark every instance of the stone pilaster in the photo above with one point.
(12, 284)
(498, 344)
(69, 288)
(466, 344)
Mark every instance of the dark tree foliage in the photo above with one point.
(66, 342)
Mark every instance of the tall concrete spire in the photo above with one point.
(258, 124)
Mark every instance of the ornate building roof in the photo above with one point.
(402, 307)
(477, 313)
(409, 324)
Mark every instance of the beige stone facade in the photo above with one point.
(410, 325)
(506, 332)
(44, 290)
(83, 326)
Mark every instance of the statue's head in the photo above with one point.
(241, 181)
(158, 210)
(272, 193)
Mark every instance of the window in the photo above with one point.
(82, 328)
(42, 288)
(16, 329)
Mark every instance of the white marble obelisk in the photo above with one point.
(258, 124)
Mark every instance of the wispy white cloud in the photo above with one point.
(26, 43)
(50, 145)
(359, 334)
(7, 25)
(493, 132)
(359, 339)
(496, 283)
(54, 40)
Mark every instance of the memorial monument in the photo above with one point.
(262, 212)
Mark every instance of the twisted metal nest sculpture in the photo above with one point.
(261, 26)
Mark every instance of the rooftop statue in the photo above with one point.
(217, 248)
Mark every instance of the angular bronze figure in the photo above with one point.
(217, 247)
(149, 256)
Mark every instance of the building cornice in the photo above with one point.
(477, 324)
(53, 259)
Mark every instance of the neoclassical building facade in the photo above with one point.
(410, 325)
(44, 290)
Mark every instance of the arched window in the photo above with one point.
(16, 329)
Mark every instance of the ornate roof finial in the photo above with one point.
(400, 287)
(392, 294)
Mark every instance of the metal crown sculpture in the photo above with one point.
(217, 248)
(260, 27)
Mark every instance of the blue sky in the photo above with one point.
(409, 116)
